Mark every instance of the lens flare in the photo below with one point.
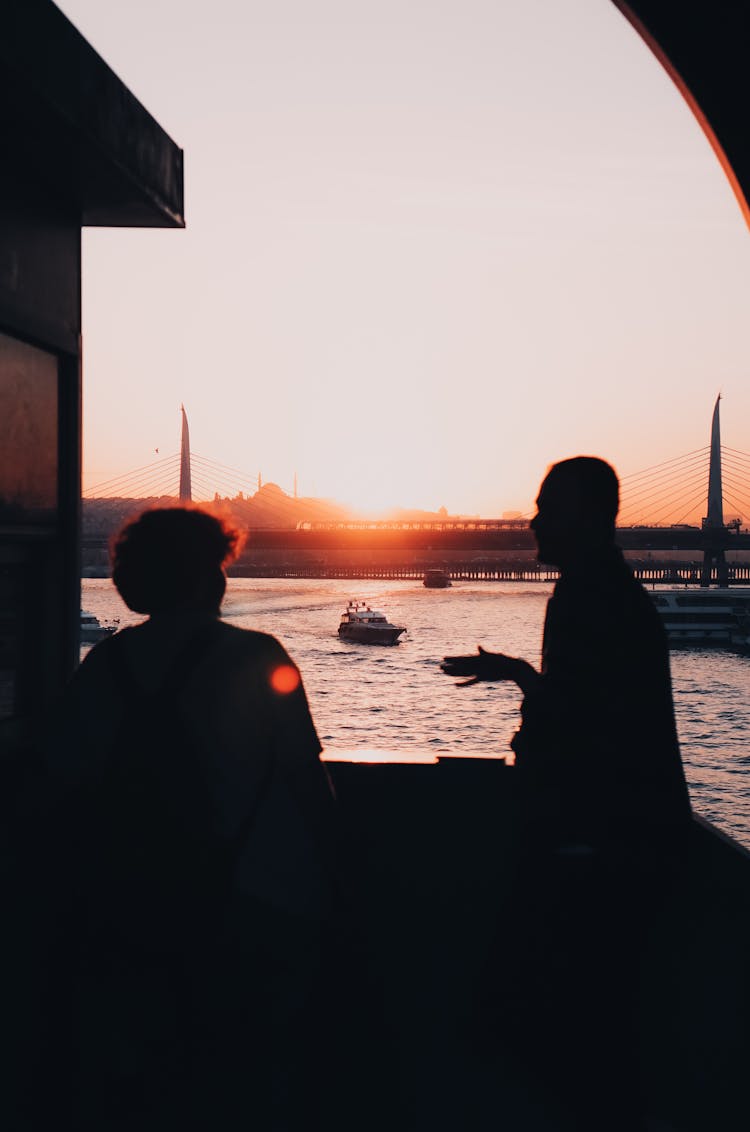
(285, 679)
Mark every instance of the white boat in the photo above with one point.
(92, 629)
(703, 617)
(367, 626)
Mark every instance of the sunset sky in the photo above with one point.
(432, 246)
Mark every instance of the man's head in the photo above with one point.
(576, 510)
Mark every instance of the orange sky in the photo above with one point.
(430, 249)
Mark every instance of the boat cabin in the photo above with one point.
(360, 612)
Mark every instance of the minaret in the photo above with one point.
(186, 487)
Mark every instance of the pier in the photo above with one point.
(294, 561)
(649, 573)
(463, 556)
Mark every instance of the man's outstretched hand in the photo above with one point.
(484, 665)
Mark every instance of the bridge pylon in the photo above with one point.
(714, 532)
(186, 484)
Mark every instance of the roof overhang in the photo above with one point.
(704, 49)
(90, 138)
(68, 117)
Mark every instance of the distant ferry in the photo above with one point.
(367, 626)
(436, 579)
(706, 617)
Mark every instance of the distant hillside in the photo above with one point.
(268, 508)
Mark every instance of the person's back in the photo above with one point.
(217, 1020)
(222, 744)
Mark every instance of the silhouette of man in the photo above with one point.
(604, 810)
(597, 753)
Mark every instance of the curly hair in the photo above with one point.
(172, 558)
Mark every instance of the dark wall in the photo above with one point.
(40, 274)
(435, 852)
(39, 262)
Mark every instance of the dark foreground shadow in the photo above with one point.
(424, 1016)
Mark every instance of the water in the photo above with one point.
(379, 702)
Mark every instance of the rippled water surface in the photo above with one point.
(396, 700)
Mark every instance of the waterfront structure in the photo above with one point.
(448, 548)
(78, 150)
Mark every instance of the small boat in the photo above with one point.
(436, 579)
(92, 629)
(367, 626)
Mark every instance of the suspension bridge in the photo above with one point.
(673, 525)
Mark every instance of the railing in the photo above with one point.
(650, 573)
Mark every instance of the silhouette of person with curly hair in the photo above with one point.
(205, 828)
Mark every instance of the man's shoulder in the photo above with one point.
(608, 594)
